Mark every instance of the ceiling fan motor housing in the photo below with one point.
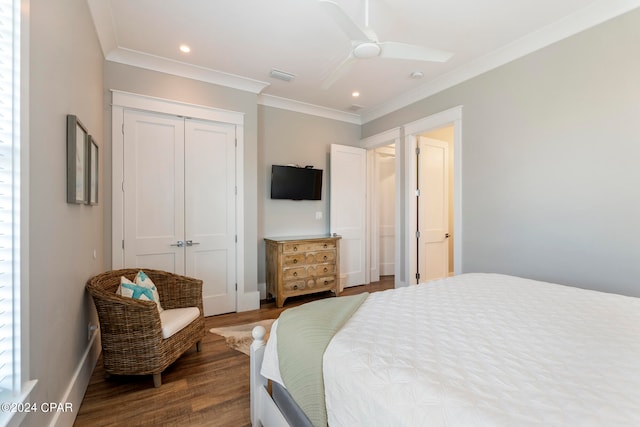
(366, 50)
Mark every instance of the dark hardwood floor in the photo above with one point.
(209, 388)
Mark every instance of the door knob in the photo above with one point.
(179, 243)
(192, 243)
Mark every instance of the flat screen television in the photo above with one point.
(295, 183)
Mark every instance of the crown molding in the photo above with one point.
(181, 69)
(590, 16)
(303, 107)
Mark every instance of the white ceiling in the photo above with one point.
(237, 42)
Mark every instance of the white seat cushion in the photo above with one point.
(175, 319)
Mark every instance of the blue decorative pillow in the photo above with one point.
(143, 289)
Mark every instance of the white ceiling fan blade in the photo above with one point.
(340, 71)
(344, 21)
(398, 50)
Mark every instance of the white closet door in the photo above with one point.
(210, 228)
(348, 190)
(153, 191)
(179, 201)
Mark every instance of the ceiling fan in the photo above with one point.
(366, 45)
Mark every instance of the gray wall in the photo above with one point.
(287, 137)
(65, 78)
(145, 82)
(550, 150)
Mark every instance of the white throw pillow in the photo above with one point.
(142, 289)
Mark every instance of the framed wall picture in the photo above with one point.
(93, 171)
(77, 141)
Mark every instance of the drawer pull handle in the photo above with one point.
(295, 286)
(295, 273)
(295, 261)
(326, 282)
(325, 245)
(325, 257)
(295, 248)
(326, 269)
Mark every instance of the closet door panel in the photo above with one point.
(153, 191)
(210, 212)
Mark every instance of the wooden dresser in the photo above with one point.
(302, 265)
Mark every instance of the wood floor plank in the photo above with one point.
(207, 388)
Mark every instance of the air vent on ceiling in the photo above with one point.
(355, 107)
(281, 75)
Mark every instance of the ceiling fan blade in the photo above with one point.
(398, 50)
(340, 71)
(344, 21)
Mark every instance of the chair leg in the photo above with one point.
(157, 380)
(199, 346)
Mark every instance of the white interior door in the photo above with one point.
(210, 226)
(433, 211)
(347, 209)
(153, 165)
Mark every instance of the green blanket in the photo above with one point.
(303, 334)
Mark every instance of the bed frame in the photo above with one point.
(264, 411)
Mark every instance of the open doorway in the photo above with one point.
(383, 212)
(384, 207)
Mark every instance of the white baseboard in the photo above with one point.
(79, 383)
(248, 301)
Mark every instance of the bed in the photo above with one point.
(470, 350)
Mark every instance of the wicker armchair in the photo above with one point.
(132, 342)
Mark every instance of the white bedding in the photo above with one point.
(486, 350)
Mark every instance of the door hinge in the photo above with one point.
(236, 287)
(417, 150)
(123, 244)
(418, 276)
(123, 128)
(236, 142)
(236, 238)
(417, 234)
(417, 192)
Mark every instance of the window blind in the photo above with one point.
(10, 381)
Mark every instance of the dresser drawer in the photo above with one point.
(307, 246)
(321, 283)
(295, 259)
(320, 270)
(324, 256)
(293, 286)
(324, 269)
(294, 273)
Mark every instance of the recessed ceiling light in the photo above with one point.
(417, 75)
(184, 48)
(355, 94)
